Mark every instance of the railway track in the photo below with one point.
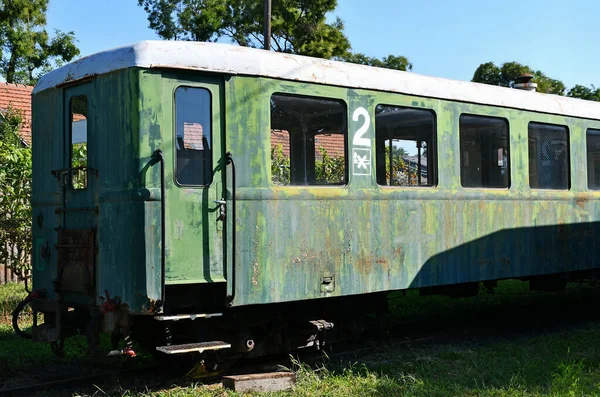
(505, 322)
(87, 379)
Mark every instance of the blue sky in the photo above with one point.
(441, 38)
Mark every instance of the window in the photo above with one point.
(193, 136)
(308, 140)
(484, 154)
(593, 159)
(79, 148)
(548, 156)
(405, 142)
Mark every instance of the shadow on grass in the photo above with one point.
(563, 363)
(512, 343)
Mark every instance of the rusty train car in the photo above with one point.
(196, 197)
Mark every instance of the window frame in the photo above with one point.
(345, 136)
(568, 130)
(435, 183)
(587, 153)
(509, 151)
(87, 158)
(174, 123)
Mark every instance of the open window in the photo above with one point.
(593, 159)
(308, 140)
(79, 142)
(405, 140)
(484, 154)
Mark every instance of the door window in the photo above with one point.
(193, 136)
(79, 138)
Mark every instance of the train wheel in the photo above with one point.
(22, 319)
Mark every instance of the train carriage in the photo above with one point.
(199, 196)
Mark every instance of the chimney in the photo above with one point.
(524, 83)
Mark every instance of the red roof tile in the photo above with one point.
(19, 97)
(332, 143)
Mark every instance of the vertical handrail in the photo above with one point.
(157, 156)
(229, 298)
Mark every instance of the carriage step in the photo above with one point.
(193, 347)
(176, 317)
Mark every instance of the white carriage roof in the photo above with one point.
(230, 59)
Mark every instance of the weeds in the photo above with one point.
(10, 296)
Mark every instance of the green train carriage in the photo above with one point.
(273, 196)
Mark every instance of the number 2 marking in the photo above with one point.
(358, 139)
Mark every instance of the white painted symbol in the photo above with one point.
(358, 139)
(361, 161)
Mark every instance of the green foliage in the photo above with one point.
(389, 62)
(587, 93)
(280, 166)
(505, 76)
(27, 48)
(297, 26)
(10, 296)
(330, 170)
(398, 166)
(15, 207)
(79, 159)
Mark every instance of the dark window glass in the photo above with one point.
(79, 141)
(193, 136)
(593, 159)
(548, 156)
(484, 154)
(308, 141)
(405, 141)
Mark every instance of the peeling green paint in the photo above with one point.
(367, 237)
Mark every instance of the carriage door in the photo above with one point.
(78, 213)
(194, 215)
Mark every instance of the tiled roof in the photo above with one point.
(19, 97)
(332, 143)
(192, 136)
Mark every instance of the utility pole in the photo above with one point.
(267, 33)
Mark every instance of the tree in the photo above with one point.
(505, 76)
(488, 73)
(582, 92)
(297, 26)
(389, 62)
(27, 48)
(15, 207)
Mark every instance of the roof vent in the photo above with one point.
(524, 83)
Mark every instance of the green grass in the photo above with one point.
(536, 362)
(555, 364)
(18, 355)
(10, 296)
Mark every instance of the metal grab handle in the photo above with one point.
(229, 298)
(157, 157)
(221, 202)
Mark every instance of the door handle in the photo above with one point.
(221, 204)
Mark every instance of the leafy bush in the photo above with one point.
(15, 206)
(328, 170)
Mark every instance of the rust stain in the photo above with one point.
(255, 274)
(364, 265)
(581, 200)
